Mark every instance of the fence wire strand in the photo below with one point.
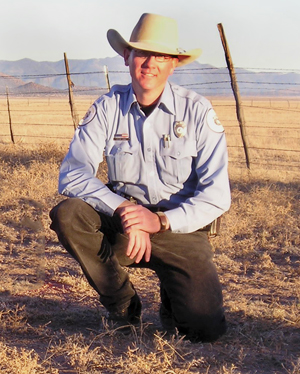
(283, 127)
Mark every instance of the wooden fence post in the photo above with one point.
(9, 118)
(74, 114)
(106, 77)
(235, 89)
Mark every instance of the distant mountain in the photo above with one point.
(89, 78)
(35, 89)
(9, 82)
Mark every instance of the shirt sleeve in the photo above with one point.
(212, 195)
(77, 177)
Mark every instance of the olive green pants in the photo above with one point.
(190, 288)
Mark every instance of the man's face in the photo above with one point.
(149, 73)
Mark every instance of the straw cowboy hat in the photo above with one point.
(154, 33)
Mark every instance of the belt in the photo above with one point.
(155, 209)
(127, 197)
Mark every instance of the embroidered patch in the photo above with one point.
(213, 121)
(90, 115)
(180, 129)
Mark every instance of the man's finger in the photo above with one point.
(148, 251)
(129, 223)
(130, 246)
(141, 251)
(135, 246)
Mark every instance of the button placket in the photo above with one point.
(150, 137)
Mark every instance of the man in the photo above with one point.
(167, 170)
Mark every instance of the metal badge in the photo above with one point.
(180, 129)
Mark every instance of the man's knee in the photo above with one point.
(196, 304)
(204, 328)
(196, 326)
(67, 211)
(64, 209)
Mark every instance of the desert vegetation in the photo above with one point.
(51, 320)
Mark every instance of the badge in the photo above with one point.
(180, 129)
(90, 115)
(213, 121)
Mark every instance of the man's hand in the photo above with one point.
(139, 245)
(136, 217)
(138, 222)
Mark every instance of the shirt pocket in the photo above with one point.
(177, 161)
(124, 163)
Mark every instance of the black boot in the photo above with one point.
(127, 315)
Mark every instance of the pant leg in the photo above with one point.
(87, 236)
(190, 287)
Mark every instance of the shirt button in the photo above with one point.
(149, 149)
(151, 173)
(154, 199)
(178, 153)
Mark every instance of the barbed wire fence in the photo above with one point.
(37, 113)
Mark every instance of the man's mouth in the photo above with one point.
(148, 74)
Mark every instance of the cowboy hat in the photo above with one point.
(154, 33)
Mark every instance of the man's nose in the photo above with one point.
(149, 60)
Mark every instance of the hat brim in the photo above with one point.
(119, 44)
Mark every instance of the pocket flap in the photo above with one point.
(180, 150)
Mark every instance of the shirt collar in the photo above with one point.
(131, 99)
(166, 99)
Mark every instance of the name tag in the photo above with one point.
(121, 137)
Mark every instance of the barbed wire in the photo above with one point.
(214, 87)
(208, 70)
(216, 83)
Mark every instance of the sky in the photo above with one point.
(261, 34)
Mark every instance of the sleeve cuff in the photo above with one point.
(177, 220)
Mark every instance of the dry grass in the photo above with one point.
(51, 320)
(39, 120)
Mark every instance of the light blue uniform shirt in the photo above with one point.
(187, 174)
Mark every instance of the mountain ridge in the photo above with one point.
(89, 73)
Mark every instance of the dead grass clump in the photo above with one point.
(21, 361)
(13, 319)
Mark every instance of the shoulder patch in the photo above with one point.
(213, 121)
(90, 115)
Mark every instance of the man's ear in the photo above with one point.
(174, 63)
(126, 56)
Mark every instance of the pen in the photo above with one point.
(166, 140)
